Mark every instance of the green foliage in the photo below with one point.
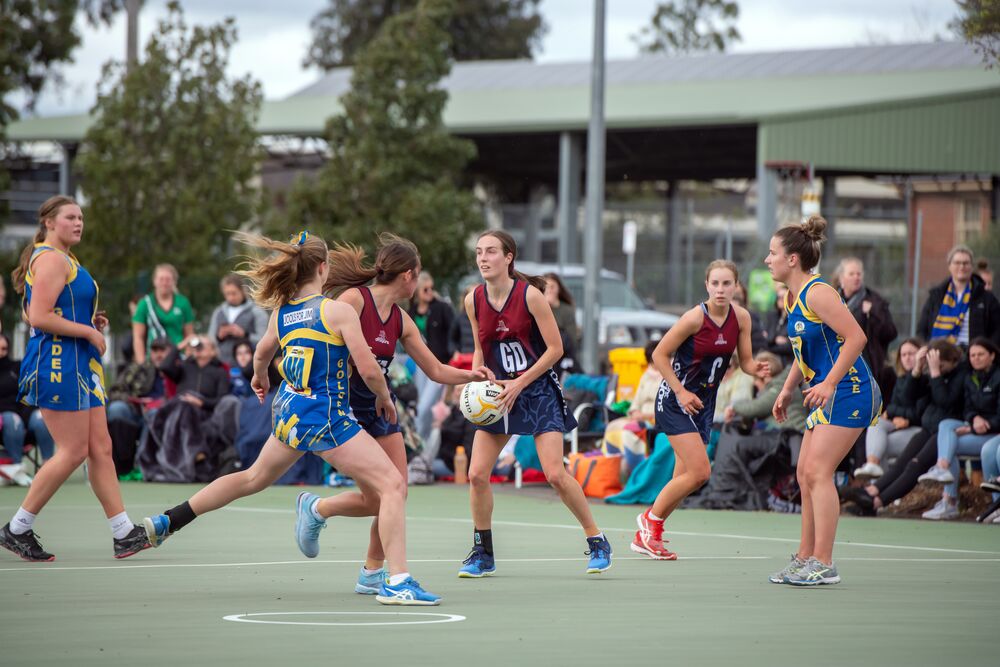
(686, 26)
(979, 23)
(393, 165)
(168, 163)
(480, 29)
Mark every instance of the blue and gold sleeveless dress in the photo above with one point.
(58, 372)
(312, 410)
(857, 400)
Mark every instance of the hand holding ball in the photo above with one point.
(479, 403)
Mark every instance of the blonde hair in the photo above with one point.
(276, 278)
(723, 264)
(47, 211)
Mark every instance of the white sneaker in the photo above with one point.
(937, 475)
(942, 510)
(992, 517)
(15, 473)
(870, 470)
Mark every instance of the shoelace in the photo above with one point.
(597, 549)
(476, 551)
(313, 530)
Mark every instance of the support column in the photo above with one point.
(674, 248)
(570, 172)
(767, 201)
(67, 180)
(994, 199)
(828, 208)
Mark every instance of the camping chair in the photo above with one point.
(594, 413)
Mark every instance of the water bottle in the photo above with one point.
(461, 466)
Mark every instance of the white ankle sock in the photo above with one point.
(370, 572)
(397, 579)
(120, 524)
(22, 522)
(652, 516)
(314, 508)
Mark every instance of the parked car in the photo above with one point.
(625, 321)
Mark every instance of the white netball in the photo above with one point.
(479, 403)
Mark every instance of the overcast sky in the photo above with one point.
(273, 36)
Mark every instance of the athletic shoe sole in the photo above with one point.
(28, 560)
(365, 590)
(406, 603)
(595, 570)
(822, 582)
(470, 575)
(134, 552)
(639, 549)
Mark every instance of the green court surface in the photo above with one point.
(914, 592)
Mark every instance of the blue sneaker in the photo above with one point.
(407, 593)
(600, 555)
(370, 584)
(478, 564)
(307, 526)
(157, 529)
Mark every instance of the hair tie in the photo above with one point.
(300, 238)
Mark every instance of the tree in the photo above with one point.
(480, 29)
(393, 166)
(167, 164)
(686, 26)
(979, 23)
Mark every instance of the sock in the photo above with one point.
(599, 536)
(370, 572)
(180, 516)
(397, 579)
(22, 522)
(652, 516)
(314, 509)
(483, 538)
(120, 524)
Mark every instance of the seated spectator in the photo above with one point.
(776, 328)
(735, 386)
(14, 416)
(990, 458)
(627, 435)
(456, 430)
(138, 390)
(758, 409)
(872, 314)
(238, 319)
(966, 437)
(190, 438)
(984, 271)
(901, 418)
(241, 370)
(758, 337)
(960, 309)
(940, 375)
(165, 313)
(564, 310)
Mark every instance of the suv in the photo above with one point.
(626, 320)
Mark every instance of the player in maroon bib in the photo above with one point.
(393, 279)
(517, 338)
(693, 357)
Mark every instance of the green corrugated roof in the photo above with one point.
(640, 105)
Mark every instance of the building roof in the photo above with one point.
(496, 97)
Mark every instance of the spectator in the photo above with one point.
(200, 378)
(758, 336)
(434, 319)
(735, 386)
(984, 271)
(139, 390)
(241, 371)
(940, 375)
(456, 430)
(900, 421)
(776, 327)
(966, 437)
(166, 313)
(14, 416)
(872, 314)
(564, 310)
(462, 338)
(758, 408)
(989, 456)
(960, 309)
(236, 319)
(627, 435)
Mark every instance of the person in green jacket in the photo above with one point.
(164, 313)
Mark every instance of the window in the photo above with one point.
(969, 224)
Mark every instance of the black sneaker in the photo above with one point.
(991, 485)
(132, 543)
(25, 545)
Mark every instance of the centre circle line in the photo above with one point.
(438, 618)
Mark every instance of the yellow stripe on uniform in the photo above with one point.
(311, 334)
(329, 326)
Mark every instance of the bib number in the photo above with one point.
(512, 357)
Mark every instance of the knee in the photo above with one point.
(480, 479)
(391, 487)
(74, 455)
(700, 473)
(811, 476)
(559, 479)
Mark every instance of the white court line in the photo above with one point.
(438, 618)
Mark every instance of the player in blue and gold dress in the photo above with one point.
(61, 374)
(843, 396)
(311, 411)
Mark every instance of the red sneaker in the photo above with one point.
(649, 539)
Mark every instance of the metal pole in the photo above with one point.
(594, 232)
(569, 198)
(729, 239)
(689, 255)
(916, 273)
(132, 32)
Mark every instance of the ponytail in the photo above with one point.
(275, 279)
(347, 269)
(48, 210)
